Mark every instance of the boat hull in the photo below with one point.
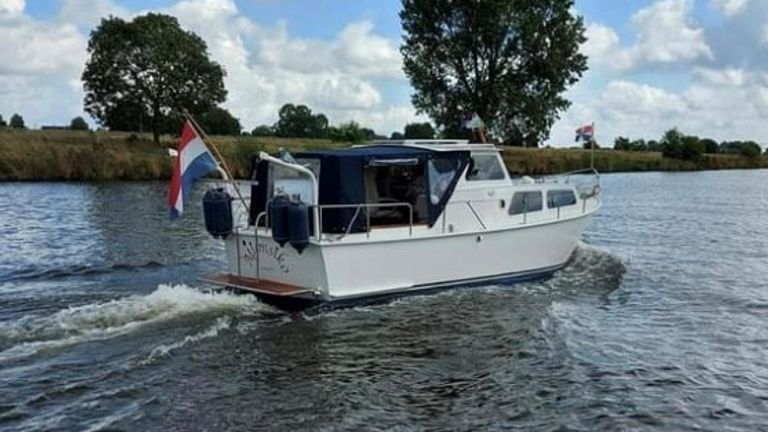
(364, 270)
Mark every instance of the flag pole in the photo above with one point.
(592, 150)
(208, 143)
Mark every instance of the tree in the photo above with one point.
(693, 148)
(218, 121)
(710, 145)
(621, 143)
(672, 144)
(17, 122)
(750, 150)
(397, 136)
(507, 61)
(654, 146)
(348, 132)
(262, 131)
(680, 146)
(419, 131)
(79, 124)
(2, 122)
(297, 121)
(638, 145)
(146, 72)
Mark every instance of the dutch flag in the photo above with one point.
(586, 133)
(192, 162)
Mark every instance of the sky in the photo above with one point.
(698, 65)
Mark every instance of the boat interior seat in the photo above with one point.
(372, 196)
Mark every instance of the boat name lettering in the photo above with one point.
(271, 251)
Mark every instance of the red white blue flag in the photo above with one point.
(586, 133)
(192, 162)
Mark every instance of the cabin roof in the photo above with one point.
(377, 151)
(438, 145)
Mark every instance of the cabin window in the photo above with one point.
(524, 202)
(392, 183)
(560, 198)
(485, 167)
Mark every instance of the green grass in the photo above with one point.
(75, 156)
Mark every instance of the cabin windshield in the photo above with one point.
(294, 184)
(485, 166)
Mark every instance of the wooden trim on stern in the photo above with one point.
(258, 286)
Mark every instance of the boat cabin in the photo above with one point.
(365, 187)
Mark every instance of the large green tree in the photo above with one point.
(298, 121)
(218, 121)
(509, 61)
(144, 73)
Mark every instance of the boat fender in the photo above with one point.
(298, 222)
(217, 212)
(278, 219)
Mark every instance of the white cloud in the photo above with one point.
(11, 8)
(603, 47)
(665, 34)
(87, 13)
(39, 62)
(730, 7)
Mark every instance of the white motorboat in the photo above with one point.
(392, 218)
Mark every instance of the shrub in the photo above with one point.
(79, 124)
(17, 122)
(750, 150)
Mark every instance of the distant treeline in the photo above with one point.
(298, 121)
(17, 122)
(677, 145)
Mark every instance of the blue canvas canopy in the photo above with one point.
(342, 178)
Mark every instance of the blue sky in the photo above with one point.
(700, 65)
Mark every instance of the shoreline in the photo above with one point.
(61, 155)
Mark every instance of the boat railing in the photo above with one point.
(586, 181)
(365, 208)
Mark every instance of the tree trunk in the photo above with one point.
(156, 122)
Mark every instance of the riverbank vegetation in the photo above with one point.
(38, 155)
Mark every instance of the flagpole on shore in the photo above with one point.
(207, 141)
(592, 150)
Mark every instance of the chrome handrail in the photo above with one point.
(366, 206)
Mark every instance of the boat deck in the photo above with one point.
(258, 286)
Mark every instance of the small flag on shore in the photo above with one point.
(192, 162)
(586, 133)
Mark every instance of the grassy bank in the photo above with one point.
(69, 155)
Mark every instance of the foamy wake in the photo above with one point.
(31, 334)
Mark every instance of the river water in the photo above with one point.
(658, 323)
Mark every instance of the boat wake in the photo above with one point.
(32, 333)
(165, 350)
(590, 267)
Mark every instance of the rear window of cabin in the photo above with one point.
(485, 167)
(560, 198)
(524, 202)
